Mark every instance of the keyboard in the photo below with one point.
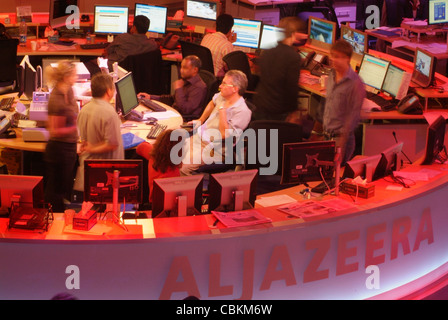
(6, 103)
(98, 45)
(152, 105)
(385, 104)
(155, 131)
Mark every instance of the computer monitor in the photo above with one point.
(363, 167)
(111, 20)
(99, 180)
(321, 33)
(157, 16)
(435, 142)
(438, 12)
(308, 161)
(201, 13)
(271, 36)
(58, 12)
(126, 100)
(424, 68)
(389, 161)
(248, 33)
(27, 190)
(29, 79)
(232, 191)
(373, 71)
(356, 38)
(177, 196)
(393, 81)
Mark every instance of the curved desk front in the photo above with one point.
(390, 246)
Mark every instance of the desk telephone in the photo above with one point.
(410, 105)
(5, 131)
(315, 63)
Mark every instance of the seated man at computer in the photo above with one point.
(226, 116)
(132, 43)
(278, 88)
(99, 126)
(221, 42)
(189, 92)
(344, 99)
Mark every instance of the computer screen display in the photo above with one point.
(393, 80)
(438, 11)
(248, 33)
(177, 196)
(307, 161)
(373, 71)
(321, 32)
(58, 12)
(126, 96)
(99, 180)
(424, 68)
(157, 16)
(270, 36)
(111, 19)
(356, 38)
(202, 9)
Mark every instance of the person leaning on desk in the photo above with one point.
(190, 91)
(343, 102)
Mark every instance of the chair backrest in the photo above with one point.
(146, 70)
(237, 60)
(212, 85)
(287, 132)
(204, 53)
(8, 61)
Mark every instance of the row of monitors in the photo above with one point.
(382, 75)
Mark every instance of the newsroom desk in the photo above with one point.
(391, 246)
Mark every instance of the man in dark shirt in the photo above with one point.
(277, 91)
(189, 92)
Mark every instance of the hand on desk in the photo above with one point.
(144, 95)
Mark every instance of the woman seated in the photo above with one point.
(159, 160)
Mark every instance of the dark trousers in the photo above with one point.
(60, 160)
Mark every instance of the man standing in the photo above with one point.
(226, 116)
(189, 92)
(344, 97)
(221, 42)
(278, 88)
(99, 126)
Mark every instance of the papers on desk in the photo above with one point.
(241, 218)
(130, 140)
(370, 106)
(160, 115)
(434, 48)
(433, 115)
(274, 200)
(304, 209)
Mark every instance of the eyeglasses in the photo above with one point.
(226, 84)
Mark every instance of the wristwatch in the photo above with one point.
(221, 107)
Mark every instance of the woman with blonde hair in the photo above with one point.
(60, 154)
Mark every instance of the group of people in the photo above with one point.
(227, 114)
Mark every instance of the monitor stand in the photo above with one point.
(117, 218)
(134, 115)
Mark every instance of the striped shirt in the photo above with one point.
(219, 46)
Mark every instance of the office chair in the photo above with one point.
(238, 60)
(8, 65)
(146, 70)
(212, 85)
(286, 132)
(204, 53)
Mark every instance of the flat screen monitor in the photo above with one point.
(363, 167)
(373, 71)
(438, 12)
(307, 161)
(99, 180)
(435, 142)
(271, 36)
(29, 79)
(59, 12)
(248, 33)
(393, 80)
(177, 196)
(321, 33)
(232, 191)
(201, 9)
(424, 68)
(157, 16)
(111, 19)
(389, 161)
(356, 38)
(126, 100)
(30, 189)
